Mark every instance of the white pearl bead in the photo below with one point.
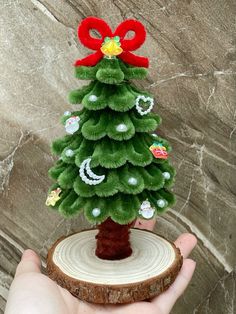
(67, 113)
(92, 98)
(161, 203)
(166, 175)
(132, 181)
(121, 128)
(154, 134)
(96, 212)
(69, 153)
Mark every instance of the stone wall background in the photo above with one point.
(191, 46)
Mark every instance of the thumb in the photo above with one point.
(145, 224)
(30, 263)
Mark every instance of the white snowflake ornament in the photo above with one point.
(146, 211)
(72, 124)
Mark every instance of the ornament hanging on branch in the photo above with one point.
(72, 124)
(158, 150)
(87, 175)
(53, 197)
(69, 152)
(111, 47)
(146, 211)
(166, 175)
(161, 203)
(96, 212)
(144, 104)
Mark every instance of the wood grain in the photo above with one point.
(191, 46)
(150, 270)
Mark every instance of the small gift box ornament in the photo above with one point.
(158, 150)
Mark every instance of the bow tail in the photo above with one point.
(90, 60)
(132, 59)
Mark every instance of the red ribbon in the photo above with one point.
(105, 31)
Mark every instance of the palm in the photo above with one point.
(61, 301)
(32, 292)
(75, 306)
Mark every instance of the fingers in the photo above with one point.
(29, 263)
(186, 242)
(167, 299)
(145, 224)
(164, 302)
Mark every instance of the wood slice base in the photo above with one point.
(150, 270)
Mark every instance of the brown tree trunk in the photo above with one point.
(113, 240)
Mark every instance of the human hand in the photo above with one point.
(32, 292)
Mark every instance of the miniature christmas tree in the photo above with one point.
(111, 166)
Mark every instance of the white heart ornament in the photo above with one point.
(145, 99)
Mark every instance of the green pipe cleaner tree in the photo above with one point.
(111, 164)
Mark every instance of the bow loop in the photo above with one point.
(139, 34)
(97, 24)
(127, 45)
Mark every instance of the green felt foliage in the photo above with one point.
(120, 97)
(59, 144)
(96, 202)
(110, 71)
(124, 208)
(109, 153)
(56, 170)
(119, 180)
(116, 139)
(86, 73)
(76, 96)
(162, 194)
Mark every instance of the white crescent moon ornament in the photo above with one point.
(86, 173)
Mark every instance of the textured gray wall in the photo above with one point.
(191, 46)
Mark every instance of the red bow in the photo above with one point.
(105, 31)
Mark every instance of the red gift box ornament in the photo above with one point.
(158, 150)
(115, 42)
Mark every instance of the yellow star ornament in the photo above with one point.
(53, 197)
